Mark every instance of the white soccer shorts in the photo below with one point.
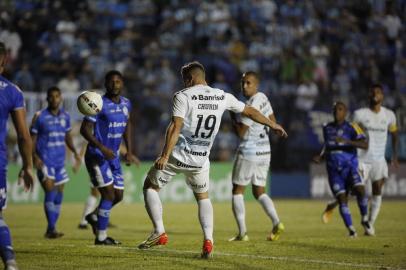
(197, 178)
(246, 172)
(373, 171)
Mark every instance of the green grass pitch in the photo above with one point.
(306, 243)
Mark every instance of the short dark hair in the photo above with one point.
(251, 73)
(376, 85)
(111, 73)
(339, 102)
(188, 68)
(53, 89)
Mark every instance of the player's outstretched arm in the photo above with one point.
(317, 159)
(258, 117)
(24, 147)
(171, 137)
(86, 130)
(360, 143)
(239, 128)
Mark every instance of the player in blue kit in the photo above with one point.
(11, 102)
(104, 132)
(50, 131)
(341, 140)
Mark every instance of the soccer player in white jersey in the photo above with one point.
(377, 121)
(196, 118)
(253, 159)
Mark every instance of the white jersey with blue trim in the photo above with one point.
(201, 108)
(255, 145)
(376, 125)
(110, 124)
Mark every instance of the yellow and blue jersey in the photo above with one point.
(341, 158)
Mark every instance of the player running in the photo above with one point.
(377, 121)
(196, 117)
(104, 132)
(50, 131)
(253, 159)
(11, 102)
(341, 140)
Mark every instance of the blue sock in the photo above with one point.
(363, 206)
(103, 214)
(49, 207)
(6, 250)
(345, 214)
(57, 204)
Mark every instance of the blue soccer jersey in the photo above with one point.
(11, 99)
(109, 127)
(342, 161)
(51, 131)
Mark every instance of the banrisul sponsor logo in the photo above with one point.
(207, 97)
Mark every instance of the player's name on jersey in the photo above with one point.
(204, 97)
(211, 107)
(195, 153)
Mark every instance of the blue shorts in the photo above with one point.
(57, 174)
(3, 187)
(342, 177)
(104, 172)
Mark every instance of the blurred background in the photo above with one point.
(308, 53)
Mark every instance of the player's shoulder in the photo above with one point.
(9, 86)
(388, 111)
(361, 111)
(328, 125)
(124, 100)
(64, 113)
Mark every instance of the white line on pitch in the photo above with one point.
(276, 258)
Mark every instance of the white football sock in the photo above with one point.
(269, 208)
(101, 235)
(90, 205)
(239, 213)
(375, 207)
(206, 218)
(154, 208)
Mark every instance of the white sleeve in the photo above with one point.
(357, 117)
(179, 105)
(392, 127)
(233, 104)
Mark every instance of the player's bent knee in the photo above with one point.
(148, 184)
(237, 189)
(201, 196)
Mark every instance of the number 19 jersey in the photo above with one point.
(201, 108)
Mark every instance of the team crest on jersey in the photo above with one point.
(63, 122)
(3, 85)
(125, 111)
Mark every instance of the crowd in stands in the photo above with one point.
(308, 53)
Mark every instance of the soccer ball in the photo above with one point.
(89, 103)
